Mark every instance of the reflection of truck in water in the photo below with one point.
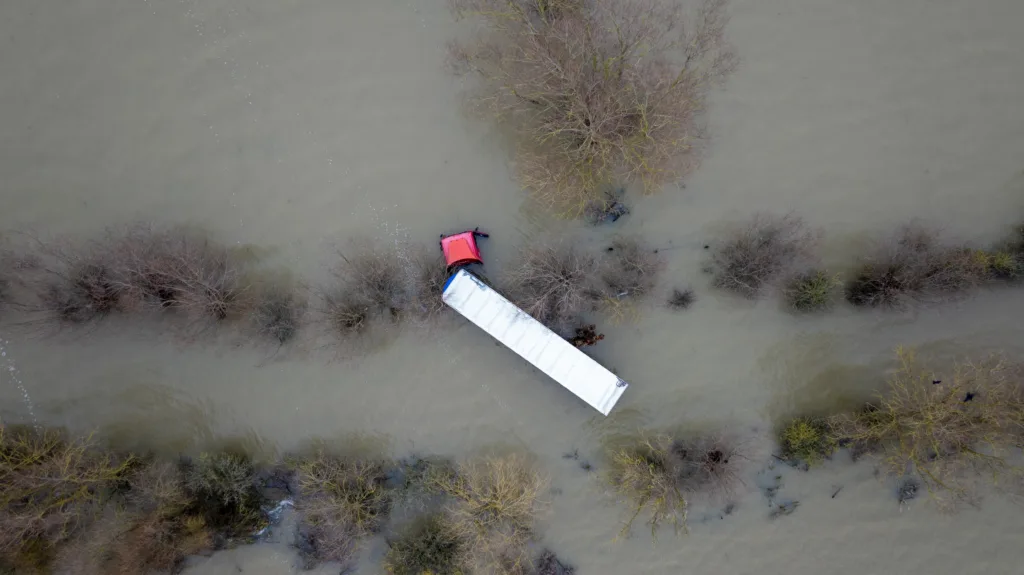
(518, 331)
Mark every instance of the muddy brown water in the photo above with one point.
(291, 126)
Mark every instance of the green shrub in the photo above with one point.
(225, 493)
(51, 487)
(948, 430)
(429, 545)
(806, 440)
(657, 473)
(812, 291)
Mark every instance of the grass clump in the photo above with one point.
(51, 486)
(493, 502)
(812, 291)
(806, 440)
(555, 284)
(657, 472)
(595, 89)
(913, 265)
(342, 499)
(429, 544)
(760, 251)
(948, 431)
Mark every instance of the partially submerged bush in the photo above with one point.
(429, 544)
(141, 267)
(913, 265)
(806, 440)
(549, 564)
(341, 499)
(595, 88)
(630, 269)
(759, 252)
(657, 472)
(157, 529)
(370, 283)
(493, 505)
(811, 291)
(50, 487)
(431, 275)
(225, 493)
(949, 431)
(276, 313)
(681, 299)
(555, 284)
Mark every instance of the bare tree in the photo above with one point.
(603, 91)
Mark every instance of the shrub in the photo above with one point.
(806, 440)
(759, 252)
(493, 503)
(225, 493)
(549, 564)
(949, 431)
(630, 269)
(180, 270)
(158, 528)
(681, 299)
(342, 499)
(140, 266)
(276, 314)
(555, 284)
(1005, 265)
(657, 472)
(812, 291)
(50, 487)
(428, 545)
(596, 89)
(431, 275)
(371, 283)
(912, 264)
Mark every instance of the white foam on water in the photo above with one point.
(9, 372)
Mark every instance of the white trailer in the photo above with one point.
(534, 342)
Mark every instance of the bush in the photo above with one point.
(549, 564)
(949, 432)
(431, 275)
(371, 283)
(158, 528)
(1006, 265)
(555, 284)
(657, 472)
(806, 440)
(596, 89)
(428, 545)
(681, 299)
(630, 269)
(912, 264)
(759, 252)
(341, 499)
(140, 267)
(812, 291)
(276, 314)
(492, 507)
(225, 493)
(51, 486)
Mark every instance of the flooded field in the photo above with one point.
(291, 127)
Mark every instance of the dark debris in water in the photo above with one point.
(549, 564)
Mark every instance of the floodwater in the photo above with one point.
(291, 126)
